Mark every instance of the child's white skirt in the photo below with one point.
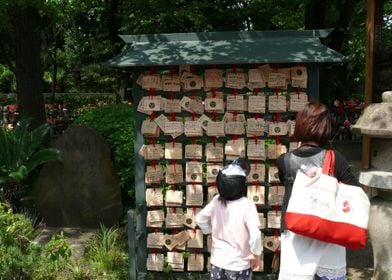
(302, 258)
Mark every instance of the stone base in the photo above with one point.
(377, 179)
(380, 232)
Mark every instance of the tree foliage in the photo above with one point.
(77, 36)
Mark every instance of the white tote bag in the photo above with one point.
(322, 208)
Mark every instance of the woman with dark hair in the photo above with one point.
(303, 257)
(232, 220)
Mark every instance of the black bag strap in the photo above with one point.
(288, 177)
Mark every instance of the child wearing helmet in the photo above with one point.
(232, 220)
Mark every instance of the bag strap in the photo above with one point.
(329, 163)
(289, 177)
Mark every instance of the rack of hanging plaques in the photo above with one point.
(202, 100)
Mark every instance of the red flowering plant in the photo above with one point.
(345, 113)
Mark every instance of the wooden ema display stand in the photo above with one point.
(137, 60)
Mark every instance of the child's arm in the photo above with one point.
(255, 244)
(203, 218)
(254, 260)
(255, 240)
(253, 223)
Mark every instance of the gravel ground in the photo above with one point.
(360, 263)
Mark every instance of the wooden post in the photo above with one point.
(140, 188)
(370, 22)
(314, 82)
(123, 83)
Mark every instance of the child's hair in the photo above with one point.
(231, 180)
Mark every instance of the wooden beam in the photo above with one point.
(370, 26)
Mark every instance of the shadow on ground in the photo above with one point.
(360, 263)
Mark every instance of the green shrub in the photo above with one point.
(53, 259)
(14, 264)
(116, 124)
(17, 253)
(57, 249)
(78, 104)
(20, 154)
(106, 254)
(15, 229)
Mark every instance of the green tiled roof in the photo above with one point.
(213, 48)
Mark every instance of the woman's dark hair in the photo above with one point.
(313, 124)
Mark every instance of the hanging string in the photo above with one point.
(153, 141)
(235, 114)
(298, 92)
(171, 72)
(277, 117)
(152, 116)
(214, 115)
(213, 91)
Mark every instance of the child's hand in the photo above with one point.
(254, 261)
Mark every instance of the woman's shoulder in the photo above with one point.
(340, 159)
(338, 155)
(280, 159)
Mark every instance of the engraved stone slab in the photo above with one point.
(82, 190)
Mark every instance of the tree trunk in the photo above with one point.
(338, 41)
(113, 25)
(113, 22)
(339, 36)
(28, 64)
(315, 14)
(54, 78)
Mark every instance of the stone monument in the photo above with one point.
(376, 122)
(83, 189)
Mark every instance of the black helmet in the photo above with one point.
(231, 180)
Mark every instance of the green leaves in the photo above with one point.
(58, 249)
(21, 151)
(41, 157)
(19, 174)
